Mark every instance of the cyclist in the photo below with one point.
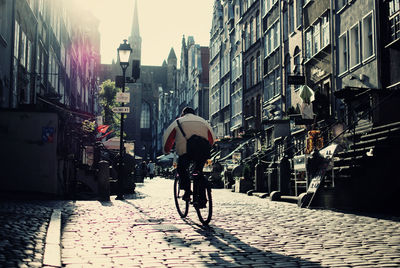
(179, 132)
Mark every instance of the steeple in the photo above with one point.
(171, 61)
(172, 55)
(135, 40)
(135, 22)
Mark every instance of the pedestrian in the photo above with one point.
(143, 169)
(193, 137)
(151, 168)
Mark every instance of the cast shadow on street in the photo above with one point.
(231, 251)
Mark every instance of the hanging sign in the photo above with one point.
(123, 97)
(121, 110)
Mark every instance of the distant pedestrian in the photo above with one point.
(143, 169)
(151, 168)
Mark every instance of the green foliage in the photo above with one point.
(107, 99)
(88, 126)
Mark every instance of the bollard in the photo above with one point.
(103, 180)
(260, 181)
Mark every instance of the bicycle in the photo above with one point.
(198, 183)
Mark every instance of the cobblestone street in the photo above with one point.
(146, 231)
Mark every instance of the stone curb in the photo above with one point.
(52, 250)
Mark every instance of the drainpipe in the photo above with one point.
(378, 43)
(333, 56)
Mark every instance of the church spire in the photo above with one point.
(135, 22)
(135, 40)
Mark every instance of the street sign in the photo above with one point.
(123, 97)
(296, 79)
(121, 110)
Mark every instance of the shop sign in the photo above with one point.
(121, 110)
(123, 97)
(296, 79)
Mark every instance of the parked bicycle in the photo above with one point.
(199, 183)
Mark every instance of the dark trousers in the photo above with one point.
(183, 172)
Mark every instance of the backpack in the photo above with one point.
(197, 147)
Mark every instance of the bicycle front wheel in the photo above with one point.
(181, 205)
(204, 213)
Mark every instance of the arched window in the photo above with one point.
(145, 116)
(296, 60)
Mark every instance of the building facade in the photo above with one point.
(49, 69)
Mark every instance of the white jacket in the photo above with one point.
(191, 124)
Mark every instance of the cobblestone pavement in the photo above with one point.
(146, 231)
(23, 227)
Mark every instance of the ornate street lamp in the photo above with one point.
(124, 52)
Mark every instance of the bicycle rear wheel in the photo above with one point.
(181, 205)
(205, 213)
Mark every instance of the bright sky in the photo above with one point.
(161, 24)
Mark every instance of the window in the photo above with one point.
(276, 36)
(259, 76)
(278, 85)
(308, 44)
(325, 31)
(343, 66)
(234, 70)
(248, 84)
(299, 12)
(145, 116)
(394, 6)
(236, 119)
(368, 36)
(16, 40)
(253, 30)
(22, 49)
(316, 38)
(225, 101)
(269, 4)
(296, 60)
(272, 40)
(285, 25)
(272, 84)
(354, 46)
(258, 27)
(341, 4)
(291, 17)
(214, 105)
(253, 71)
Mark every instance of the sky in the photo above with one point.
(162, 23)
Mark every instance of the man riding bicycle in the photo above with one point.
(183, 132)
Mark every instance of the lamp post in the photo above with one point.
(124, 51)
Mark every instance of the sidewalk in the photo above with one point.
(23, 228)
